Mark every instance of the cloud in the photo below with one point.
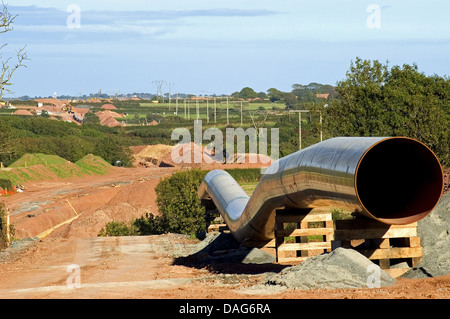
(52, 24)
(35, 15)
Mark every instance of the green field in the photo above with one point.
(204, 111)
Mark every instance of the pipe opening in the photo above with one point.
(399, 181)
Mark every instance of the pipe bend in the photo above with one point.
(394, 180)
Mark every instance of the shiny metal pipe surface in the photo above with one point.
(394, 180)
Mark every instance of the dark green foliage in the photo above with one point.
(6, 184)
(178, 202)
(146, 225)
(375, 100)
(247, 93)
(91, 118)
(111, 149)
(21, 135)
(117, 229)
(150, 224)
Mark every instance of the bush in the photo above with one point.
(142, 226)
(181, 209)
(6, 184)
(178, 202)
(117, 229)
(149, 224)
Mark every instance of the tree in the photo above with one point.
(6, 147)
(290, 99)
(8, 69)
(359, 109)
(374, 100)
(262, 95)
(274, 94)
(178, 202)
(418, 108)
(248, 93)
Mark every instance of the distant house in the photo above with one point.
(51, 102)
(323, 96)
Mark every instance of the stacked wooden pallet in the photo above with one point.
(395, 248)
(302, 234)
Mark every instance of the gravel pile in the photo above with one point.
(342, 268)
(434, 232)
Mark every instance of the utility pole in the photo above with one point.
(8, 233)
(198, 111)
(207, 110)
(299, 125)
(320, 126)
(241, 114)
(170, 94)
(228, 121)
(299, 130)
(176, 106)
(189, 110)
(215, 111)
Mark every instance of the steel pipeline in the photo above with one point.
(394, 180)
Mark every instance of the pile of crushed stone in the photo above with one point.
(341, 268)
(434, 233)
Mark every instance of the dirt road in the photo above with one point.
(143, 267)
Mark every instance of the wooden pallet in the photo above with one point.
(214, 222)
(301, 234)
(218, 228)
(395, 248)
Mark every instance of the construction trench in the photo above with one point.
(389, 183)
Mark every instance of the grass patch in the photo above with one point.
(91, 164)
(35, 159)
(38, 167)
(249, 187)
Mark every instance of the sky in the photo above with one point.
(209, 47)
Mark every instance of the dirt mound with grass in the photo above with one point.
(92, 164)
(35, 159)
(41, 167)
